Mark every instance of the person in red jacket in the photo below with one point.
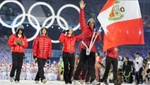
(111, 58)
(88, 49)
(18, 43)
(41, 51)
(68, 40)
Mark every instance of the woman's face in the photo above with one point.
(91, 24)
(20, 32)
(70, 32)
(44, 31)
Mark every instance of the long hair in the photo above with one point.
(22, 32)
(72, 32)
(91, 19)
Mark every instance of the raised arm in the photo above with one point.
(82, 16)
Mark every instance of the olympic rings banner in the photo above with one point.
(37, 26)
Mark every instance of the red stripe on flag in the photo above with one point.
(124, 32)
(108, 4)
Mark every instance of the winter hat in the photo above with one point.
(20, 27)
(91, 19)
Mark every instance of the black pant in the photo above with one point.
(85, 74)
(138, 76)
(40, 73)
(68, 60)
(84, 71)
(91, 64)
(17, 60)
(110, 61)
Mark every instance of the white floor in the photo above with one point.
(30, 82)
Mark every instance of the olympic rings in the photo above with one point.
(37, 25)
(45, 4)
(22, 8)
(59, 11)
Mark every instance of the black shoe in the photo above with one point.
(137, 83)
(16, 81)
(141, 82)
(105, 82)
(70, 82)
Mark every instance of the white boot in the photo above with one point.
(94, 82)
(11, 79)
(76, 82)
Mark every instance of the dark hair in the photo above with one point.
(43, 29)
(18, 32)
(137, 53)
(126, 57)
(89, 24)
(149, 52)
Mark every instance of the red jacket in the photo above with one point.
(112, 53)
(87, 32)
(42, 47)
(69, 42)
(17, 48)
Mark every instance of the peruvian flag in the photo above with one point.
(122, 23)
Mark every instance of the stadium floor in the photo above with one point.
(31, 82)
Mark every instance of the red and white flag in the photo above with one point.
(122, 23)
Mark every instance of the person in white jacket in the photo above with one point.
(138, 64)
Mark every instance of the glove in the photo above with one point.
(19, 42)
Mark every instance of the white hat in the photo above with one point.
(20, 26)
(91, 19)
